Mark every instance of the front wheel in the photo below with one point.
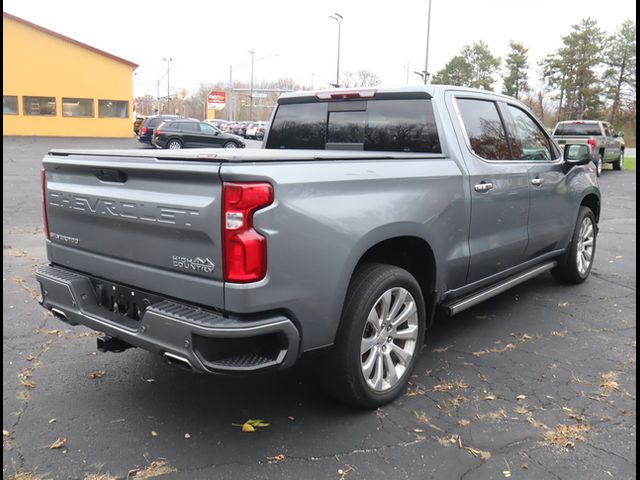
(230, 145)
(575, 265)
(379, 339)
(619, 164)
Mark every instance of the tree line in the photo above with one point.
(591, 75)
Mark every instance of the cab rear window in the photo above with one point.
(398, 125)
(578, 129)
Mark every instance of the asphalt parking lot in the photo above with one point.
(539, 382)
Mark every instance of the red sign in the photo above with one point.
(217, 99)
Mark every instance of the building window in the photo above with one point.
(77, 107)
(9, 105)
(113, 108)
(39, 106)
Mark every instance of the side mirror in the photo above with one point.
(577, 154)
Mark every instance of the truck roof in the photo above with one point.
(430, 90)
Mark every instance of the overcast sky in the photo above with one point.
(205, 37)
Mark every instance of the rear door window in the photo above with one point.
(484, 128)
(189, 127)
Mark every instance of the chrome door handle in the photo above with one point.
(483, 187)
(537, 181)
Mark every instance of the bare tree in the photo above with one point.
(361, 78)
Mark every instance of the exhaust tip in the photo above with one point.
(177, 360)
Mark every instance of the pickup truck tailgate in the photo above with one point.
(138, 220)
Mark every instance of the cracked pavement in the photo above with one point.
(539, 382)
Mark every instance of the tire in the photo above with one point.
(619, 164)
(230, 145)
(174, 144)
(598, 163)
(570, 269)
(370, 365)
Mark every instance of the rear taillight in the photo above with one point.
(592, 144)
(144, 130)
(45, 216)
(244, 249)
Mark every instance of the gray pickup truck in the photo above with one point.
(366, 213)
(607, 145)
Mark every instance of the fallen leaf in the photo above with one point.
(59, 443)
(154, 433)
(154, 469)
(6, 433)
(441, 349)
(506, 473)
(150, 380)
(98, 374)
(463, 422)
(491, 396)
(525, 466)
(52, 420)
(291, 418)
(609, 383)
(418, 430)
(567, 435)
(247, 427)
(563, 304)
(521, 397)
(478, 453)
(278, 458)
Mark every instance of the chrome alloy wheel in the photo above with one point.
(585, 246)
(389, 340)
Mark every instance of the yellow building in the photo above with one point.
(54, 85)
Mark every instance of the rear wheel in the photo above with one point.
(174, 144)
(576, 263)
(619, 164)
(379, 339)
(230, 145)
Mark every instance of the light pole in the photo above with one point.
(426, 57)
(338, 18)
(168, 60)
(236, 67)
(252, 53)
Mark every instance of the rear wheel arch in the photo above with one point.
(411, 253)
(592, 202)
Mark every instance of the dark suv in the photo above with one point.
(193, 134)
(146, 128)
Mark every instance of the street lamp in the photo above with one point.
(236, 67)
(338, 18)
(426, 57)
(168, 60)
(252, 53)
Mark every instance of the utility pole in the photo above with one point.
(230, 99)
(252, 53)
(338, 18)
